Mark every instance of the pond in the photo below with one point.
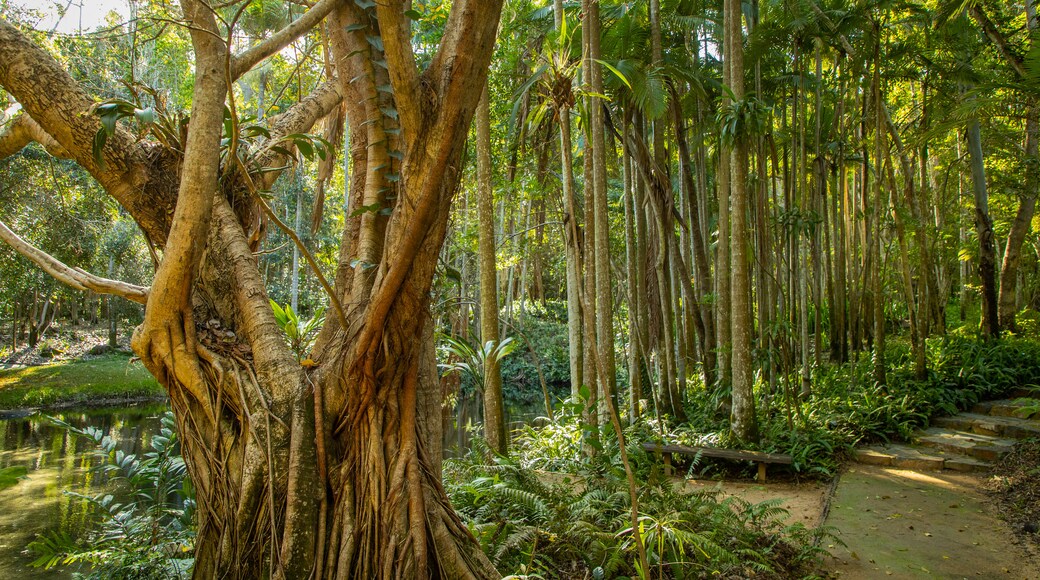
(59, 462)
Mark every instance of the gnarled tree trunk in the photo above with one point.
(302, 470)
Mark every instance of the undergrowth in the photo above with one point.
(847, 407)
(549, 525)
(144, 533)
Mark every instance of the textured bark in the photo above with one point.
(494, 422)
(742, 416)
(984, 230)
(601, 243)
(635, 322)
(320, 471)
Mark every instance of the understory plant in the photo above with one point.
(846, 407)
(555, 525)
(143, 522)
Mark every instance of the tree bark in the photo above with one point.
(742, 417)
(494, 422)
(319, 471)
(984, 230)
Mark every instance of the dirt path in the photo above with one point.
(804, 501)
(904, 524)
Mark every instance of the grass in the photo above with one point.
(78, 382)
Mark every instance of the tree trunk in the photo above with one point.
(494, 421)
(984, 230)
(632, 253)
(742, 418)
(320, 471)
(601, 243)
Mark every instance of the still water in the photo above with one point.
(59, 462)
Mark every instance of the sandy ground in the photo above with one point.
(904, 524)
(804, 501)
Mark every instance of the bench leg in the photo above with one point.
(761, 472)
(668, 464)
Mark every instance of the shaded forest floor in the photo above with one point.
(1015, 488)
(62, 343)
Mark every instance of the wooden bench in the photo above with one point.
(756, 456)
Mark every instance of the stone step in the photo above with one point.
(917, 458)
(999, 426)
(984, 447)
(1002, 407)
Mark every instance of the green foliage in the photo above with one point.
(146, 532)
(846, 408)
(545, 329)
(82, 381)
(549, 525)
(10, 476)
(469, 360)
(298, 332)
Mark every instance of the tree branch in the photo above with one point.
(241, 63)
(471, 30)
(74, 277)
(24, 130)
(994, 34)
(395, 30)
(63, 111)
(300, 118)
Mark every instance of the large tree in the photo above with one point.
(316, 470)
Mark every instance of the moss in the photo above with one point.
(79, 382)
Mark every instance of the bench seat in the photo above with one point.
(759, 457)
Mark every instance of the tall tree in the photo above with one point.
(494, 421)
(742, 417)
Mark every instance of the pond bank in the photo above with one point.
(96, 381)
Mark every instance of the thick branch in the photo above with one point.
(300, 118)
(241, 63)
(1016, 61)
(62, 109)
(74, 277)
(468, 37)
(22, 131)
(198, 184)
(395, 29)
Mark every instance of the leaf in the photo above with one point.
(99, 144)
(375, 42)
(366, 209)
(413, 14)
(145, 116)
(616, 72)
(355, 27)
(306, 148)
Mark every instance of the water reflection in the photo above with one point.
(57, 461)
(467, 421)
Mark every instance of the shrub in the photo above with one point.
(149, 534)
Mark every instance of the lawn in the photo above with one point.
(80, 382)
